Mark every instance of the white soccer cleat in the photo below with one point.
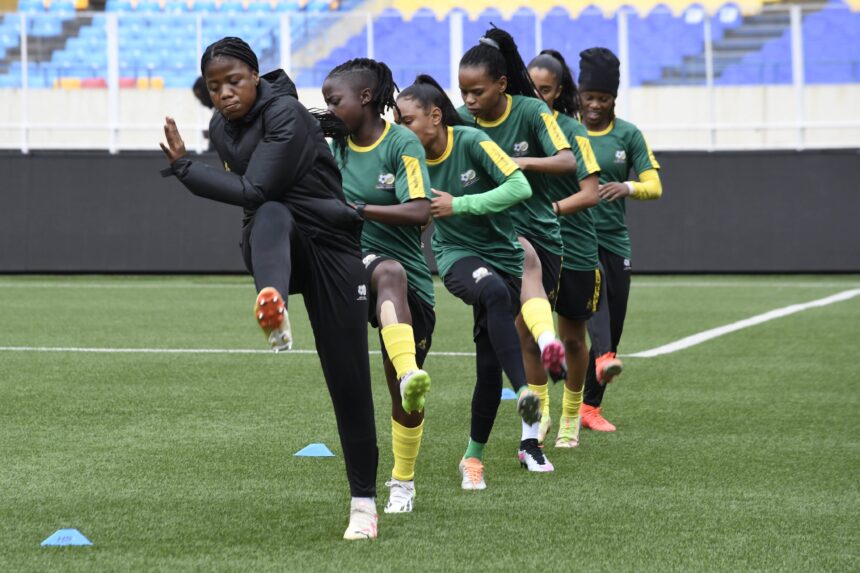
(532, 458)
(472, 471)
(400, 496)
(362, 520)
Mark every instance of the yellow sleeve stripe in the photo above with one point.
(413, 177)
(651, 155)
(555, 133)
(587, 152)
(505, 164)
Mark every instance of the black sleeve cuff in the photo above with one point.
(176, 167)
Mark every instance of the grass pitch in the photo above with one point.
(741, 453)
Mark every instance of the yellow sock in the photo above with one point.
(400, 344)
(542, 392)
(405, 443)
(570, 403)
(537, 314)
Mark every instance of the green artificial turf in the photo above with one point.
(742, 453)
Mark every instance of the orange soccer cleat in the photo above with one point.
(271, 314)
(607, 367)
(591, 419)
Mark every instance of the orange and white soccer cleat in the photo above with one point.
(271, 314)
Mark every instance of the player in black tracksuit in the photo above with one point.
(298, 236)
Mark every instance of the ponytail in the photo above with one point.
(568, 101)
(498, 53)
(428, 93)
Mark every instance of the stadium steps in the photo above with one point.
(318, 46)
(42, 49)
(735, 44)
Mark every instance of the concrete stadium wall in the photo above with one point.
(665, 115)
(721, 212)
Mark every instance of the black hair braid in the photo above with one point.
(332, 127)
(498, 53)
(428, 93)
(230, 47)
(568, 101)
(374, 75)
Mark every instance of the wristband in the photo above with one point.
(556, 210)
(359, 208)
(629, 187)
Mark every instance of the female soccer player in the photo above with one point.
(298, 236)
(385, 176)
(580, 279)
(479, 257)
(500, 100)
(618, 147)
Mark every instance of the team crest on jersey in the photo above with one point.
(385, 181)
(480, 273)
(362, 292)
(468, 178)
(520, 149)
(620, 156)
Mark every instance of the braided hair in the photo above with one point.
(372, 75)
(237, 48)
(230, 47)
(498, 53)
(568, 100)
(428, 93)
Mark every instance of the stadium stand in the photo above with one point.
(158, 44)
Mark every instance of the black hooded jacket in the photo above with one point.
(277, 152)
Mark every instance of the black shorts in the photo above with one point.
(423, 315)
(578, 294)
(550, 265)
(469, 276)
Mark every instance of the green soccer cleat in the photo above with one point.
(544, 428)
(413, 390)
(568, 433)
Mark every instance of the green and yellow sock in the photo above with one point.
(542, 392)
(399, 343)
(571, 403)
(537, 314)
(405, 443)
(474, 450)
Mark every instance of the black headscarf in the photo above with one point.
(599, 71)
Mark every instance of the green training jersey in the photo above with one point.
(577, 230)
(618, 149)
(528, 129)
(473, 163)
(389, 172)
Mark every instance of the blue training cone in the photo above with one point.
(315, 451)
(63, 537)
(508, 394)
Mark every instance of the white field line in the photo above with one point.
(701, 337)
(681, 344)
(180, 350)
(246, 286)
